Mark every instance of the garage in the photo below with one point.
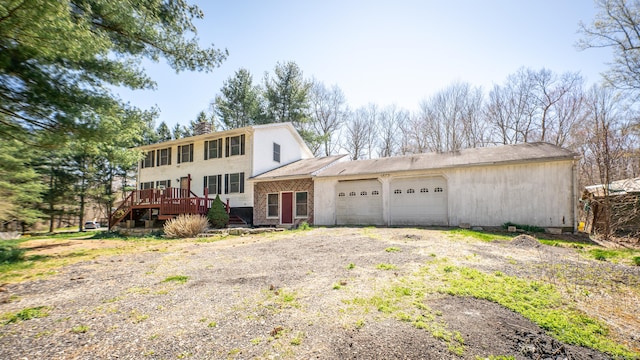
(418, 201)
(359, 202)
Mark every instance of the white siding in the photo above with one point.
(290, 149)
(539, 194)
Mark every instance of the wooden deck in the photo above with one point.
(170, 203)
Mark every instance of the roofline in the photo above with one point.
(572, 157)
(224, 133)
(298, 176)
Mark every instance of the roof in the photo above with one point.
(224, 133)
(300, 168)
(519, 153)
(620, 187)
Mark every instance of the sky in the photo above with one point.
(394, 52)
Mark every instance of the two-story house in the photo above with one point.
(210, 164)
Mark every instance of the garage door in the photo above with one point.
(418, 201)
(359, 202)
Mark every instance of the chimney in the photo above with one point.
(203, 127)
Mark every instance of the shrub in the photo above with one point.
(217, 215)
(185, 226)
(636, 260)
(529, 228)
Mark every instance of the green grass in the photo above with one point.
(384, 266)
(181, 279)
(624, 256)
(26, 314)
(478, 235)
(539, 302)
(80, 329)
(529, 228)
(392, 249)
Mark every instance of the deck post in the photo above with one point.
(188, 185)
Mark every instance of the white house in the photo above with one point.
(221, 162)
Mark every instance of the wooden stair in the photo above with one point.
(236, 221)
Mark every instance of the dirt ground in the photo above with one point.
(296, 295)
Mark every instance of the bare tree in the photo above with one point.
(357, 132)
(328, 108)
(389, 122)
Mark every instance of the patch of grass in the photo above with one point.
(537, 301)
(351, 266)
(80, 329)
(297, 339)
(10, 254)
(212, 324)
(529, 228)
(627, 256)
(392, 249)
(27, 314)
(483, 236)
(137, 317)
(636, 260)
(383, 266)
(181, 279)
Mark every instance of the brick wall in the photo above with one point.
(261, 189)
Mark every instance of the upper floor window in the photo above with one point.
(213, 149)
(149, 159)
(185, 153)
(276, 152)
(234, 183)
(235, 145)
(213, 184)
(163, 157)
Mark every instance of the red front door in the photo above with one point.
(287, 208)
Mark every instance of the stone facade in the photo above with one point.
(261, 189)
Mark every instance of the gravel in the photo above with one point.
(274, 296)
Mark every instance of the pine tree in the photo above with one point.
(217, 215)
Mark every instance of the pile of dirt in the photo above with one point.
(525, 241)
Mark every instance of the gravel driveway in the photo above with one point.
(286, 295)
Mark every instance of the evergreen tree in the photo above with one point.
(21, 188)
(287, 97)
(238, 103)
(217, 215)
(60, 60)
(164, 134)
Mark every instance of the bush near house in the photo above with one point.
(185, 226)
(217, 215)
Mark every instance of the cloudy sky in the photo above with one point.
(383, 52)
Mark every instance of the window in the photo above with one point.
(410, 191)
(163, 157)
(375, 192)
(213, 184)
(235, 145)
(424, 190)
(363, 193)
(353, 193)
(146, 185)
(272, 205)
(276, 152)
(438, 189)
(301, 204)
(163, 184)
(213, 149)
(185, 153)
(341, 194)
(397, 191)
(234, 183)
(149, 159)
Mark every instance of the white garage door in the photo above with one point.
(359, 202)
(418, 201)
